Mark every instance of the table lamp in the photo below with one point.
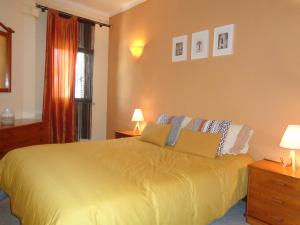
(137, 117)
(291, 140)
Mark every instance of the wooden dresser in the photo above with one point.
(273, 194)
(23, 133)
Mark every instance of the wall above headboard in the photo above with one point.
(259, 85)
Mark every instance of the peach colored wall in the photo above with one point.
(259, 85)
(13, 14)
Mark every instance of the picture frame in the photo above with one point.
(223, 40)
(200, 45)
(179, 49)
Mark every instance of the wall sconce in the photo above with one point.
(137, 49)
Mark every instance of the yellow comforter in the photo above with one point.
(120, 182)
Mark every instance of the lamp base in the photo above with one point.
(286, 162)
(137, 128)
(293, 158)
(291, 161)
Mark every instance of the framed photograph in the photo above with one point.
(223, 40)
(179, 51)
(200, 45)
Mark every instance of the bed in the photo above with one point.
(120, 182)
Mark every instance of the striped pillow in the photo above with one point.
(212, 126)
(218, 126)
(196, 124)
(177, 122)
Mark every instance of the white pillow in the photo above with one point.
(237, 140)
(246, 148)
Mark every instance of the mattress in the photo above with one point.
(120, 182)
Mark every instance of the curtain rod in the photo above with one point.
(44, 8)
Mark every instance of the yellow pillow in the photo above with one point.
(199, 143)
(156, 133)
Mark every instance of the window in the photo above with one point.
(84, 79)
(80, 76)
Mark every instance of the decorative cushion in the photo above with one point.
(237, 141)
(156, 133)
(177, 122)
(212, 126)
(198, 143)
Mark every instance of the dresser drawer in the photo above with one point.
(271, 213)
(18, 143)
(279, 200)
(23, 132)
(23, 136)
(23, 142)
(275, 182)
(253, 221)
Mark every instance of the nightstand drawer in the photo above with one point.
(276, 182)
(272, 214)
(281, 200)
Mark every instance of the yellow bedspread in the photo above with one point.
(120, 182)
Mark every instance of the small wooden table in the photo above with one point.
(127, 133)
(273, 194)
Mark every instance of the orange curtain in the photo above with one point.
(59, 101)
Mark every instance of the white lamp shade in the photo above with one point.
(137, 116)
(291, 138)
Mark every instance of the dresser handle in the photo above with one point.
(278, 219)
(278, 201)
(281, 183)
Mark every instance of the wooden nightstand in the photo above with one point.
(273, 194)
(127, 133)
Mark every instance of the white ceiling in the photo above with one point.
(109, 7)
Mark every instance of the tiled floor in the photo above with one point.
(233, 217)
(5, 216)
